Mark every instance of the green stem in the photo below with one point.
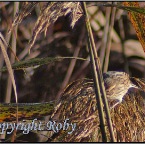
(98, 81)
(95, 75)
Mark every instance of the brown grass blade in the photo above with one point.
(3, 45)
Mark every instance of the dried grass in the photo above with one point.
(49, 14)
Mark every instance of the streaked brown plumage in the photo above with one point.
(117, 85)
(78, 103)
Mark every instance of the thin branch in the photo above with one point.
(104, 39)
(9, 82)
(122, 35)
(109, 40)
(98, 80)
(72, 65)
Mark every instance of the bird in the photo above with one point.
(117, 85)
(78, 103)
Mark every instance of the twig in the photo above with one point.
(109, 40)
(72, 65)
(78, 74)
(104, 39)
(98, 82)
(122, 34)
(9, 82)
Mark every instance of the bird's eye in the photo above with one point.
(105, 76)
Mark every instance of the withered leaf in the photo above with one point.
(138, 21)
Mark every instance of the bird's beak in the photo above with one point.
(138, 83)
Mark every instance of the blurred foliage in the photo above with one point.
(46, 82)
